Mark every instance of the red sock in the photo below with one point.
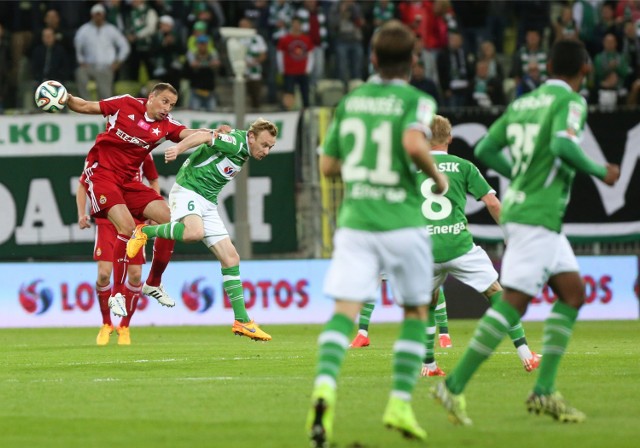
(103, 293)
(162, 251)
(120, 263)
(131, 296)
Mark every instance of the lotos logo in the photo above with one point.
(195, 299)
(34, 300)
(229, 171)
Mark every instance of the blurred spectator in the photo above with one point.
(201, 72)
(454, 72)
(487, 53)
(532, 15)
(383, 11)
(49, 59)
(630, 49)
(532, 78)
(73, 14)
(497, 17)
(486, 89)
(258, 12)
(471, 18)
(628, 10)
(142, 24)
(413, 14)
(314, 24)
(421, 82)
(606, 25)
(611, 69)
(208, 11)
(295, 62)
(199, 29)
(280, 14)
(531, 51)
(5, 64)
(565, 27)
(62, 35)
(346, 22)
(428, 60)
(438, 20)
(22, 20)
(115, 14)
(255, 57)
(168, 52)
(585, 14)
(100, 51)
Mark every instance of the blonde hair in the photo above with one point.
(440, 130)
(263, 125)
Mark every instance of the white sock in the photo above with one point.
(524, 352)
(364, 333)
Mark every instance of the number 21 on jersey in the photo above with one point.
(381, 137)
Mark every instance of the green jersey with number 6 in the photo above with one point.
(212, 166)
(380, 180)
(540, 181)
(447, 222)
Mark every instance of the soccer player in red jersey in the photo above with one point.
(105, 239)
(135, 126)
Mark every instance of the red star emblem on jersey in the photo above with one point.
(156, 131)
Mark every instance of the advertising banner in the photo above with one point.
(276, 292)
(42, 157)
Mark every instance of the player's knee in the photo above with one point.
(104, 277)
(134, 276)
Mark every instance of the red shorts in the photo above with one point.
(105, 190)
(105, 240)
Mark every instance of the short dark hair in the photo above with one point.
(567, 58)
(393, 46)
(162, 86)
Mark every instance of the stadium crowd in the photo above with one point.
(480, 53)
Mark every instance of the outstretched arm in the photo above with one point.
(194, 139)
(81, 106)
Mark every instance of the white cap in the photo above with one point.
(168, 20)
(97, 9)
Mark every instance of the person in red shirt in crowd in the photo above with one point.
(105, 240)
(295, 62)
(439, 18)
(135, 126)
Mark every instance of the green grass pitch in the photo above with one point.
(204, 387)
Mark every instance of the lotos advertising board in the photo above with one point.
(276, 292)
(63, 294)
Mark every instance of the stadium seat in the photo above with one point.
(329, 92)
(355, 83)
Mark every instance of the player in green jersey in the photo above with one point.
(454, 252)
(194, 204)
(379, 135)
(542, 130)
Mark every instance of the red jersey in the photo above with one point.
(295, 51)
(129, 136)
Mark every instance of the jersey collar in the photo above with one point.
(147, 118)
(438, 152)
(559, 83)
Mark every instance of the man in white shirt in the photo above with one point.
(100, 50)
